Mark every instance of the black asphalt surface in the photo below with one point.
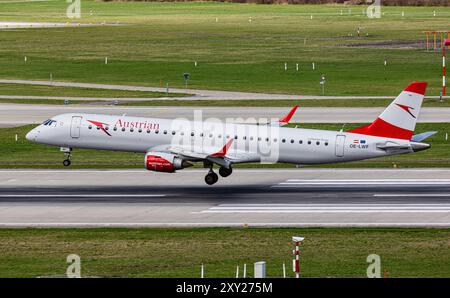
(343, 194)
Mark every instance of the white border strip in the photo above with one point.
(224, 224)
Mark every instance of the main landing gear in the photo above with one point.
(212, 177)
(68, 154)
(224, 172)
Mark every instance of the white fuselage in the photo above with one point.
(252, 143)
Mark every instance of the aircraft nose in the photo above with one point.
(31, 135)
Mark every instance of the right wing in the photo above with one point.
(211, 154)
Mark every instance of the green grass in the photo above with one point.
(49, 101)
(281, 103)
(235, 103)
(37, 90)
(24, 154)
(180, 252)
(161, 41)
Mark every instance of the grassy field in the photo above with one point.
(24, 154)
(180, 252)
(37, 90)
(237, 103)
(158, 42)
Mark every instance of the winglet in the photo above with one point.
(224, 149)
(288, 116)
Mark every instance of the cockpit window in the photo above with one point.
(49, 122)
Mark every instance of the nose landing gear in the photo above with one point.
(67, 153)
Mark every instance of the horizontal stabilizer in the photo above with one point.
(422, 136)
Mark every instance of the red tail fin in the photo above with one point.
(398, 121)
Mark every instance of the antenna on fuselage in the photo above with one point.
(124, 114)
(342, 128)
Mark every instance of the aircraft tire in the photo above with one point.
(224, 172)
(211, 178)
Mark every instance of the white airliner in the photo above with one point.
(174, 144)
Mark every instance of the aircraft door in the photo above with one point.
(75, 127)
(340, 142)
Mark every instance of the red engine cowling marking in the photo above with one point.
(159, 164)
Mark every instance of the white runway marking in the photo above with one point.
(412, 195)
(82, 196)
(318, 182)
(328, 208)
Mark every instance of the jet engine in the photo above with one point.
(164, 162)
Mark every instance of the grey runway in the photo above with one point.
(21, 114)
(273, 198)
(194, 94)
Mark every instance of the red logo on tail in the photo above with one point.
(407, 109)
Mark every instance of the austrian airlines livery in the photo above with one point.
(171, 145)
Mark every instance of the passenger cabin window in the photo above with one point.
(123, 128)
(115, 128)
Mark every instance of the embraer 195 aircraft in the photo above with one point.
(171, 145)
